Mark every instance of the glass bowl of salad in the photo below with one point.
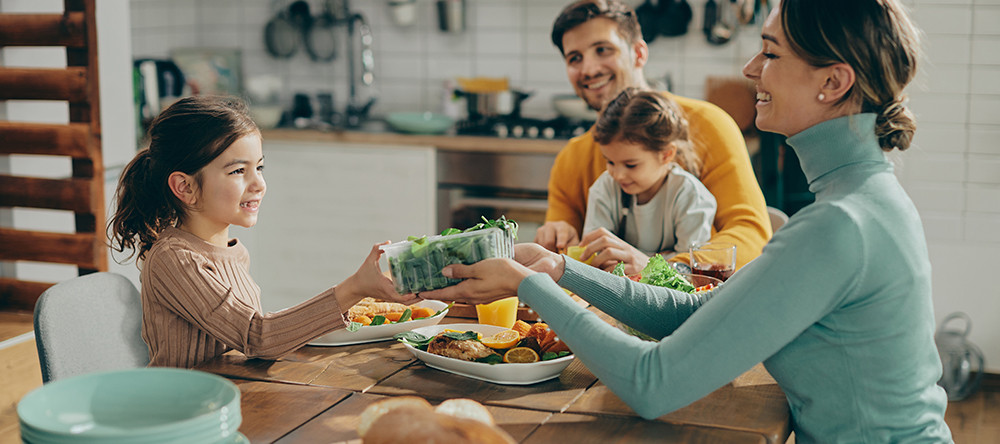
(658, 272)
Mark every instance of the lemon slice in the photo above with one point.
(576, 252)
(502, 340)
(520, 355)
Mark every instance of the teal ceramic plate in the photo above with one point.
(419, 123)
(133, 403)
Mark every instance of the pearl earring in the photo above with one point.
(821, 97)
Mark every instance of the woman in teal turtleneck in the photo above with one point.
(838, 305)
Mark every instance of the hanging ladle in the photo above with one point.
(720, 21)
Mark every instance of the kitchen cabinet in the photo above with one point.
(326, 205)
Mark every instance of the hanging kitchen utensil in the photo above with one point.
(321, 36)
(648, 20)
(281, 36)
(674, 17)
(403, 12)
(720, 21)
(961, 361)
(358, 107)
(451, 15)
(745, 11)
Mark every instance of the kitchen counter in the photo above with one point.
(442, 142)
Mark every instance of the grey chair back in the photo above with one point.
(87, 324)
(778, 218)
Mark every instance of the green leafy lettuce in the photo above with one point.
(658, 272)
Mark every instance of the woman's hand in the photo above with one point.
(369, 281)
(485, 281)
(611, 250)
(537, 258)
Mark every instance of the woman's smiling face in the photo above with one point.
(788, 87)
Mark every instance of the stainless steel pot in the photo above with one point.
(500, 103)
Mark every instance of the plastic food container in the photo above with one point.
(416, 265)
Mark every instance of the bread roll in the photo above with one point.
(379, 408)
(465, 408)
(411, 420)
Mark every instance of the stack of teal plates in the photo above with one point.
(147, 405)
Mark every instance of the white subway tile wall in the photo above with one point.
(952, 171)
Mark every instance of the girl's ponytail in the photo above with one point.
(135, 222)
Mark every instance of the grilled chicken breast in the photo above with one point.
(467, 350)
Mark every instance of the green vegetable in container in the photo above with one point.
(418, 268)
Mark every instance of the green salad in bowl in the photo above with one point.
(658, 272)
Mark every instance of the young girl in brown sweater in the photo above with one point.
(202, 172)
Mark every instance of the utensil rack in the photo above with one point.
(80, 139)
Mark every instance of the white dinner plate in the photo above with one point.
(375, 333)
(503, 373)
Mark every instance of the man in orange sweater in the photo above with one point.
(602, 45)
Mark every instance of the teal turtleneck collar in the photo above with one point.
(835, 143)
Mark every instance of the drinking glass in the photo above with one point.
(715, 259)
(502, 313)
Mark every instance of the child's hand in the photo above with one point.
(611, 250)
(556, 236)
(369, 281)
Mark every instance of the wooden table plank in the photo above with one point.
(553, 395)
(271, 410)
(725, 408)
(570, 428)
(339, 424)
(352, 367)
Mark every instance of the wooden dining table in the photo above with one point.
(317, 393)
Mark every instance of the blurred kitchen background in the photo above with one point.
(414, 60)
(370, 58)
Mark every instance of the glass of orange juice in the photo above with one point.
(502, 313)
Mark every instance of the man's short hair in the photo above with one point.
(579, 12)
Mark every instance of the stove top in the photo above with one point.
(522, 127)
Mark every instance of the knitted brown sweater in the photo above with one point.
(199, 301)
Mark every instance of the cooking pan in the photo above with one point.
(320, 37)
(648, 20)
(281, 37)
(284, 31)
(674, 17)
(489, 104)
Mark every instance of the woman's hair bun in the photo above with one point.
(895, 126)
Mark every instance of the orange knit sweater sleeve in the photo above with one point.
(741, 217)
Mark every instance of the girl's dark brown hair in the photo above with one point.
(580, 12)
(649, 119)
(185, 137)
(877, 39)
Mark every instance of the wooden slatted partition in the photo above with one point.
(79, 140)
